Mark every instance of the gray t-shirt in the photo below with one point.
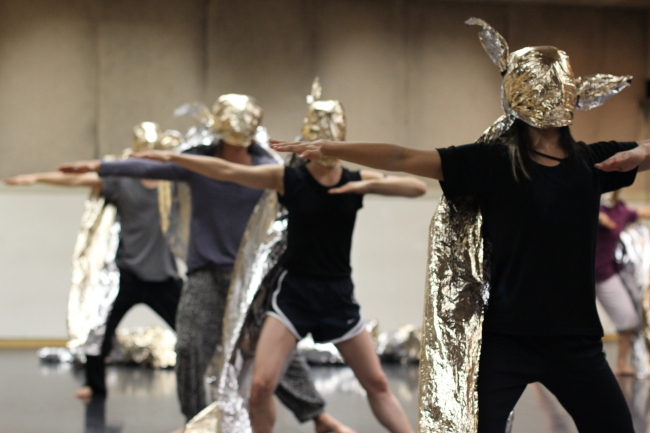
(220, 210)
(143, 249)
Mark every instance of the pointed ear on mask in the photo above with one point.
(594, 90)
(197, 110)
(494, 44)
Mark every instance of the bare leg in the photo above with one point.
(623, 365)
(273, 349)
(326, 423)
(359, 353)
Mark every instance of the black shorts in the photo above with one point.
(324, 307)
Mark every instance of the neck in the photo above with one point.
(545, 139)
(232, 153)
(319, 169)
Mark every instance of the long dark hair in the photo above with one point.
(521, 141)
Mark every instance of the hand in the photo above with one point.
(623, 161)
(312, 150)
(354, 187)
(605, 221)
(23, 179)
(80, 166)
(155, 155)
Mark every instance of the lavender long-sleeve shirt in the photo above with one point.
(220, 210)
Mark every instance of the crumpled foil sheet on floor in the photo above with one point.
(151, 346)
(401, 346)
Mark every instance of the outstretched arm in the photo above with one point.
(57, 178)
(128, 168)
(643, 212)
(391, 157)
(373, 182)
(261, 176)
(629, 159)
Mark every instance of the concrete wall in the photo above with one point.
(76, 75)
(38, 234)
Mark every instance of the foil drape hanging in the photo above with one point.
(95, 277)
(453, 319)
(633, 254)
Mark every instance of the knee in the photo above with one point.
(262, 389)
(377, 384)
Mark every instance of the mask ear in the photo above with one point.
(494, 44)
(316, 91)
(594, 90)
(198, 110)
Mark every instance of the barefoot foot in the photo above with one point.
(326, 423)
(84, 393)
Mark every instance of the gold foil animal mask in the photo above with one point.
(539, 86)
(236, 118)
(325, 120)
(149, 136)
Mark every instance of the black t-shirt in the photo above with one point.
(320, 224)
(541, 234)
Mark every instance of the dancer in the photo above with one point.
(611, 289)
(315, 293)
(538, 193)
(220, 211)
(147, 268)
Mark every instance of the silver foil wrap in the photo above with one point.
(453, 319)
(633, 254)
(151, 346)
(95, 277)
(594, 90)
(493, 43)
(255, 269)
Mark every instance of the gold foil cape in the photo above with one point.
(255, 269)
(633, 254)
(95, 277)
(453, 319)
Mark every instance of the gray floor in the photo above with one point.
(37, 397)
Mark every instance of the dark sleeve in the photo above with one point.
(289, 180)
(612, 180)
(354, 177)
(465, 169)
(143, 168)
(110, 188)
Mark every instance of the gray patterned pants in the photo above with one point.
(198, 327)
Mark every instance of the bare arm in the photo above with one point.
(260, 176)
(605, 221)
(391, 157)
(90, 180)
(629, 159)
(643, 212)
(373, 182)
